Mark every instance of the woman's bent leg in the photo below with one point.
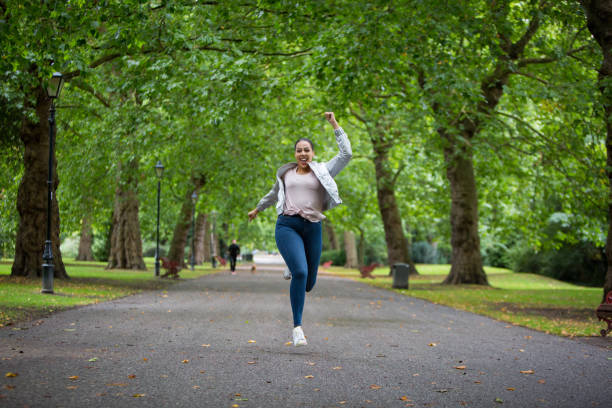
(291, 247)
(313, 244)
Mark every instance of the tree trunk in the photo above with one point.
(361, 249)
(183, 225)
(397, 244)
(331, 235)
(350, 247)
(126, 242)
(181, 231)
(465, 241)
(32, 196)
(85, 242)
(202, 240)
(599, 22)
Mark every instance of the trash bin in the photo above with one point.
(400, 272)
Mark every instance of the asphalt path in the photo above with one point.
(221, 341)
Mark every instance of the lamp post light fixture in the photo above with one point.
(54, 88)
(194, 198)
(159, 171)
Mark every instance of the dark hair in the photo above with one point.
(304, 139)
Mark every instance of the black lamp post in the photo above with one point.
(194, 198)
(159, 171)
(54, 88)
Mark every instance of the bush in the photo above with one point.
(337, 256)
(423, 252)
(426, 253)
(495, 255)
(579, 263)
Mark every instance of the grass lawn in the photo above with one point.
(523, 299)
(20, 298)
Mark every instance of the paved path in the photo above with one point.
(190, 347)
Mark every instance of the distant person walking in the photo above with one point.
(234, 251)
(302, 191)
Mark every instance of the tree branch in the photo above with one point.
(267, 54)
(89, 89)
(397, 173)
(528, 75)
(546, 60)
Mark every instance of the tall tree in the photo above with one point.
(183, 224)
(599, 22)
(126, 242)
(85, 241)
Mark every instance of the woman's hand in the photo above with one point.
(253, 214)
(331, 119)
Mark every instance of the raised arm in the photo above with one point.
(335, 165)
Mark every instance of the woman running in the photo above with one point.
(302, 191)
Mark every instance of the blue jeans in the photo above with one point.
(299, 242)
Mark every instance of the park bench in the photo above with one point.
(172, 268)
(604, 312)
(366, 271)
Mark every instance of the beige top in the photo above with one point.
(304, 195)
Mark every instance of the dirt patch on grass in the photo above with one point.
(553, 313)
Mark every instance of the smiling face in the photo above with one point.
(303, 154)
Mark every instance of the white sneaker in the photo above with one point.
(298, 337)
(287, 274)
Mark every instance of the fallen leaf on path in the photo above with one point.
(9, 387)
(375, 387)
(528, 337)
(432, 344)
(205, 345)
(251, 362)
(132, 376)
(542, 381)
(145, 359)
(477, 382)
(404, 398)
(341, 402)
(251, 341)
(511, 388)
(138, 395)
(288, 343)
(460, 367)
(499, 400)
(325, 338)
(380, 355)
(337, 368)
(235, 406)
(11, 375)
(185, 361)
(526, 371)
(196, 387)
(309, 376)
(71, 387)
(91, 360)
(73, 377)
(310, 363)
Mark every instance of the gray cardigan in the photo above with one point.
(325, 173)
